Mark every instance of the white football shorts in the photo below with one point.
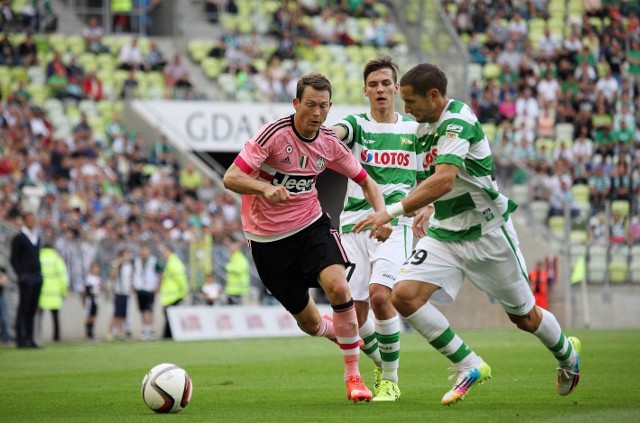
(493, 263)
(373, 261)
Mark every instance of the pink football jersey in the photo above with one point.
(280, 156)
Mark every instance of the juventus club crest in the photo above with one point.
(320, 163)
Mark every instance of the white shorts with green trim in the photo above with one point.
(493, 263)
(373, 261)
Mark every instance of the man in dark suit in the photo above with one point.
(25, 259)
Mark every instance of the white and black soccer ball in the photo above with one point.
(166, 388)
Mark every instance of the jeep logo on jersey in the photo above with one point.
(396, 158)
(294, 183)
(429, 158)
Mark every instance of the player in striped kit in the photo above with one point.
(291, 240)
(386, 145)
(470, 234)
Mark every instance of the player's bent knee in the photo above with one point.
(337, 293)
(380, 299)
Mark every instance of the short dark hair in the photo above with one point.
(424, 77)
(382, 62)
(314, 80)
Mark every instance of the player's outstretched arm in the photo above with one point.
(238, 181)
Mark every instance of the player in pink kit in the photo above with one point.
(292, 242)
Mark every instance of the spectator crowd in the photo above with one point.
(563, 103)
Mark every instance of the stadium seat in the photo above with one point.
(212, 66)
(76, 44)
(564, 132)
(556, 8)
(88, 61)
(491, 71)
(618, 272)
(520, 193)
(106, 62)
(557, 226)
(537, 24)
(578, 236)
(619, 264)
(88, 107)
(577, 251)
(42, 43)
(539, 210)
(489, 130)
(58, 43)
(39, 93)
(199, 49)
(580, 193)
(597, 264)
(19, 74)
(36, 75)
(548, 143)
(105, 109)
(620, 206)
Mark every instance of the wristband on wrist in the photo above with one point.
(396, 209)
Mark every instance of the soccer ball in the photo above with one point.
(166, 388)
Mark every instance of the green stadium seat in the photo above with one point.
(58, 43)
(106, 62)
(199, 49)
(36, 75)
(597, 264)
(490, 131)
(619, 265)
(76, 44)
(564, 132)
(520, 193)
(42, 43)
(19, 74)
(548, 143)
(491, 71)
(580, 193)
(557, 226)
(212, 67)
(620, 206)
(39, 93)
(88, 107)
(539, 210)
(577, 251)
(578, 236)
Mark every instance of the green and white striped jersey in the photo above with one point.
(474, 206)
(391, 155)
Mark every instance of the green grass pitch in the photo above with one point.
(300, 380)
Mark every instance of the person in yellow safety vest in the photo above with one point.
(237, 268)
(173, 285)
(121, 11)
(55, 285)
